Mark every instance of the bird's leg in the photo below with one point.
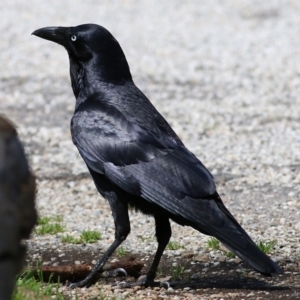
(163, 234)
(122, 224)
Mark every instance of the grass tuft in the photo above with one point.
(86, 237)
(174, 246)
(70, 239)
(214, 244)
(266, 247)
(90, 236)
(49, 229)
(44, 220)
(229, 254)
(30, 288)
(121, 252)
(49, 225)
(177, 272)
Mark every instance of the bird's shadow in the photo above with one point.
(230, 282)
(229, 279)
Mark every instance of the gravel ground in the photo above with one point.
(226, 77)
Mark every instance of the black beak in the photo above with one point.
(53, 34)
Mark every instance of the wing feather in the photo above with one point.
(142, 162)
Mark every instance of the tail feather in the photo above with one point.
(257, 259)
(229, 232)
(243, 246)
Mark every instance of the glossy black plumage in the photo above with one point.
(135, 157)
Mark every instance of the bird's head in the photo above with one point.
(93, 46)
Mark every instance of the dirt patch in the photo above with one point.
(227, 280)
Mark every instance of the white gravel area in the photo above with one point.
(225, 74)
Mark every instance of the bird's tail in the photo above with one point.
(259, 261)
(229, 232)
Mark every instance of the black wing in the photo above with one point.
(151, 163)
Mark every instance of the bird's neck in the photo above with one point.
(77, 75)
(87, 77)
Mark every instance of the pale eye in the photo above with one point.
(73, 38)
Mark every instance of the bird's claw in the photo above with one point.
(87, 281)
(79, 284)
(165, 284)
(119, 272)
(71, 285)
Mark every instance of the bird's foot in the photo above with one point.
(87, 282)
(145, 282)
(92, 278)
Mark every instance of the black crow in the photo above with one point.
(17, 206)
(135, 157)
